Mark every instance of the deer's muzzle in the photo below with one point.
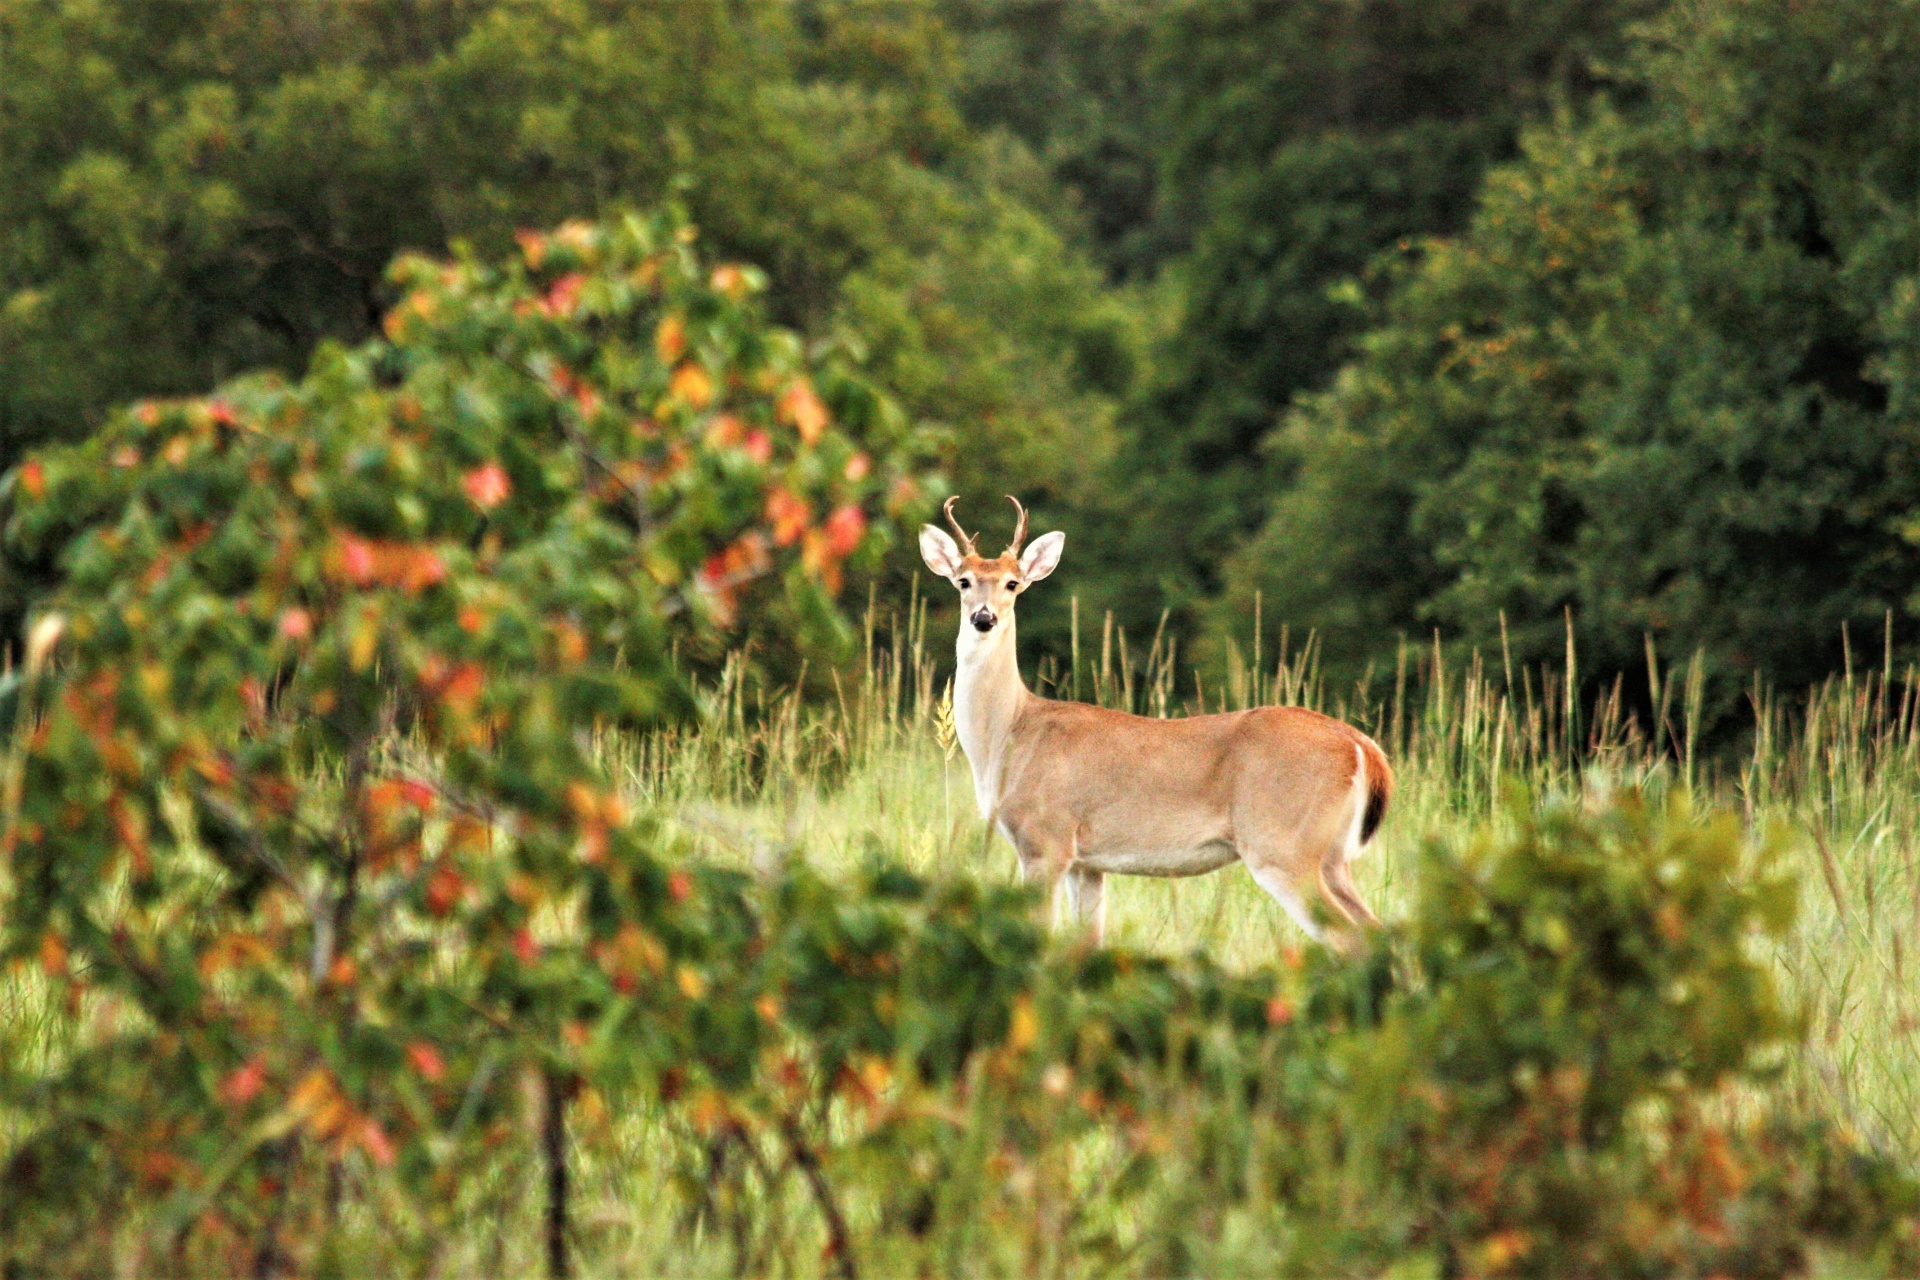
(983, 619)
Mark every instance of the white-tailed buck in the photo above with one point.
(1083, 791)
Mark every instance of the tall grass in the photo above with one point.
(866, 763)
(1834, 772)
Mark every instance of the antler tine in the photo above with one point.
(1019, 530)
(966, 543)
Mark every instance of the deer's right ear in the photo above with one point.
(940, 552)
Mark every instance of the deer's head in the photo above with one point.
(989, 586)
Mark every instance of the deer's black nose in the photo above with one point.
(983, 620)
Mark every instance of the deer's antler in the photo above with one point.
(966, 543)
(1019, 530)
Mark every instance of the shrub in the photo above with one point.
(303, 815)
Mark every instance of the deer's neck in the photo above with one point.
(987, 698)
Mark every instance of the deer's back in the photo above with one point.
(1137, 785)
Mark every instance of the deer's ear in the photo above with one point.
(1042, 556)
(939, 551)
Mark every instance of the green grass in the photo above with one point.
(865, 765)
(1835, 773)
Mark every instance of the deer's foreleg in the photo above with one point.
(1085, 894)
(1048, 857)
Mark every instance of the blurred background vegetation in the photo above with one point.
(1473, 316)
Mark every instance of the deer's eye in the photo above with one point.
(965, 583)
(1013, 586)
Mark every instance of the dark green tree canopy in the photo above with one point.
(1664, 380)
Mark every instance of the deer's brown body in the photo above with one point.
(1083, 792)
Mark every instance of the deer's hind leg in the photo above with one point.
(1302, 867)
(1277, 865)
(1336, 882)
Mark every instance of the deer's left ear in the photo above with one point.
(1042, 556)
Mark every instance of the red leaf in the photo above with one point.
(487, 485)
(426, 1060)
(679, 886)
(33, 478)
(296, 624)
(564, 296)
(374, 1141)
(444, 890)
(358, 561)
(525, 947)
(245, 1083)
(844, 529)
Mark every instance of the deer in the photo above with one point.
(1082, 792)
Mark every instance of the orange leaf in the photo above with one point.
(296, 624)
(533, 247)
(33, 478)
(788, 515)
(691, 384)
(670, 339)
(53, 954)
(801, 407)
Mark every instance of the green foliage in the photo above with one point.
(303, 807)
(1074, 80)
(1662, 381)
(191, 192)
(1300, 143)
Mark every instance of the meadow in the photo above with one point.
(865, 766)
(1832, 773)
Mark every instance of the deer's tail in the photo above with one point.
(1373, 787)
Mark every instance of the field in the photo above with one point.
(1836, 773)
(871, 768)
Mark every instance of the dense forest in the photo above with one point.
(1467, 316)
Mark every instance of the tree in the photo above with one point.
(1661, 382)
(188, 192)
(1300, 143)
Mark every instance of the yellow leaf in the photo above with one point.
(366, 636)
(1024, 1027)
